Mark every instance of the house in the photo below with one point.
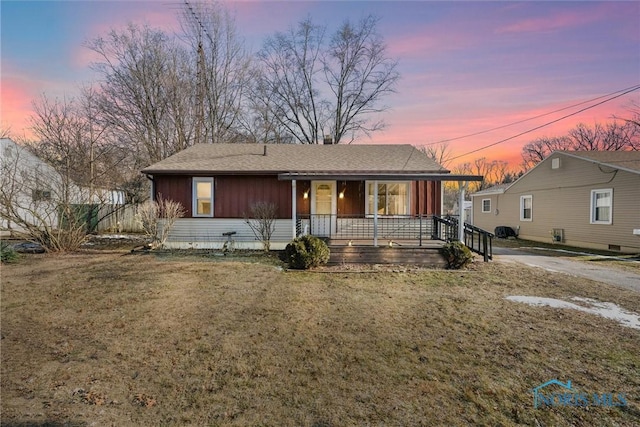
(335, 191)
(588, 199)
(26, 188)
(32, 191)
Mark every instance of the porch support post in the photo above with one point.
(294, 208)
(463, 187)
(375, 213)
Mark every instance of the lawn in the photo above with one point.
(128, 339)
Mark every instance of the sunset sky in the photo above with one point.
(466, 67)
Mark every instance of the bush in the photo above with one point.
(306, 252)
(7, 253)
(457, 255)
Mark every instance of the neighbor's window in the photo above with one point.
(40, 195)
(526, 208)
(202, 197)
(601, 206)
(393, 198)
(486, 205)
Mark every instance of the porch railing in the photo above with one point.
(357, 227)
(476, 239)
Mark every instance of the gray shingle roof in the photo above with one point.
(282, 158)
(627, 160)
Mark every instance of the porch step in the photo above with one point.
(424, 256)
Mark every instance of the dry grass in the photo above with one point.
(117, 339)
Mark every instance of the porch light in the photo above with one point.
(390, 243)
(350, 243)
(341, 195)
(305, 195)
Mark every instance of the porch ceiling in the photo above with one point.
(360, 176)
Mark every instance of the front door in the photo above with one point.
(323, 208)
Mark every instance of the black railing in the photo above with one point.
(352, 227)
(479, 241)
(476, 239)
(444, 228)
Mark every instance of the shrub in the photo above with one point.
(158, 218)
(7, 253)
(262, 222)
(457, 255)
(306, 252)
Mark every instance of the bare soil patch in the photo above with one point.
(128, 339)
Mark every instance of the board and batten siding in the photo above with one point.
(207, 233)
(233, 195)
(562, 200)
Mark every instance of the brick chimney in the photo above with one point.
(328, 140)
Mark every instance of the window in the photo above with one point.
(526, 208)
(486, 205)
(40, 195)
(393, 198)
(601, 206)
(202, 197)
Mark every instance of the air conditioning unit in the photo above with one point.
(557, 235)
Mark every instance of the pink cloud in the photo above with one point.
(554, 22)
(428, 42)
(414, 126)
(15, 105)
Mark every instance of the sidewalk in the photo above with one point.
(587, 270)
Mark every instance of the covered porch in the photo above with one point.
(392, 206)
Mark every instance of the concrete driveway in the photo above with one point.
(587, 270)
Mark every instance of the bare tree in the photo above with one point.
(141, 73)
(317, 90)
(158, 218)
(222, 67)
(288, 84)
(440, 153)
(359, 74)
(613, 136)
(261, 220)
(39, 204)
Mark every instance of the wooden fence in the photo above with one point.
(119, 219)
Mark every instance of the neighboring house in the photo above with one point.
(27, 187)
(588, 199)
(33, 190)
(335, 191)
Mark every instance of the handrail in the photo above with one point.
(475, 238)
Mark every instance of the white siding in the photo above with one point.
(205, 233)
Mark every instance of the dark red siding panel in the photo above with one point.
(234, 195)
(177, 188)
(353, 203)
(425, 197)
(303, 206)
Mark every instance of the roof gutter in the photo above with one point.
(379, 176)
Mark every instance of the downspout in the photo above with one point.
(153, 187)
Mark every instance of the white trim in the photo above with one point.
(482, 206)
(522, 199)
(334, 208)
(592, 206)
(194, 197)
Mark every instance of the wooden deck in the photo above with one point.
(399, 252)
